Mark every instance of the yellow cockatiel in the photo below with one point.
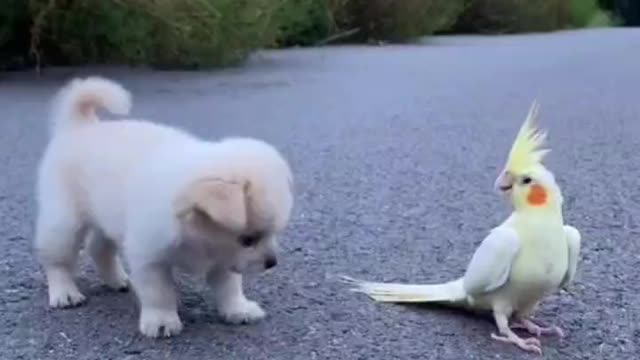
(530, 255)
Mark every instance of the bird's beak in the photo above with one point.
(504, 182)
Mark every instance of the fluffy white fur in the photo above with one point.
(162, 199)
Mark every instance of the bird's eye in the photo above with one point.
(526, 180)
(249, 240)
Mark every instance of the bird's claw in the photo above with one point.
(530, 344)
(537, 330)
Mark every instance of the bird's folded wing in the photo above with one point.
(490, 265)
(573, 241)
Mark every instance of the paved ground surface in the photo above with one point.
(395, 150)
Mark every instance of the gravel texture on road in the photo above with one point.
(395, 150)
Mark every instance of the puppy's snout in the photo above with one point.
(270, 262)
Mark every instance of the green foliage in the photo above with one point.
(513, 16)
(518, 16)
(582, 11)
(587, 13)
(162, 33)
(623, 12)
(398, 21)
(75, 32)
(14, 34)
(205, 33)
(307, 22)
(303, 22)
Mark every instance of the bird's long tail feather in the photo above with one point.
(449, 292)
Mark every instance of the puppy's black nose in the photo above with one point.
(270, 262)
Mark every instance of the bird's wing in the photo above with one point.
(491, 263)
(573, 241)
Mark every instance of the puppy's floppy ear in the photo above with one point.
(222, 202)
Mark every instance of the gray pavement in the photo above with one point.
(394, 150)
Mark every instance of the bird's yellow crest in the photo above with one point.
(527, 150)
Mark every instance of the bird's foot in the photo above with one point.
(537, 330)
(530, 344)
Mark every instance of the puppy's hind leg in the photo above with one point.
(232, 304)
(104, 253)
(57, 243)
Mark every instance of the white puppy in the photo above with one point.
(160, 197)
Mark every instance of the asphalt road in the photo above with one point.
(395, 150)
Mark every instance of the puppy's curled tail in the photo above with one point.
(77, 102)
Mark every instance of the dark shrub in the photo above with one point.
(396, 21)
(303, 22)
(163, 33)
(513, 16)
(309, 21)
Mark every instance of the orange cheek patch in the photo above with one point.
(537, 196)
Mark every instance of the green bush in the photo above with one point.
(587, 13)
(305, 22)
(14, 34)
(161, 33)
(513, 16)
(204, 33)
(519, 16)
(621, 12)
(395, 21)
(582, 11)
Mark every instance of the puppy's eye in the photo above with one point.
(249, 240)
(526, 180)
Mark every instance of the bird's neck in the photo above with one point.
(551, 211)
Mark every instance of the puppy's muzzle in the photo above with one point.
(270, 262)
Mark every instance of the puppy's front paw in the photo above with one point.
(119, 283)
(65, 296)
(242, 311)
(155, 323)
